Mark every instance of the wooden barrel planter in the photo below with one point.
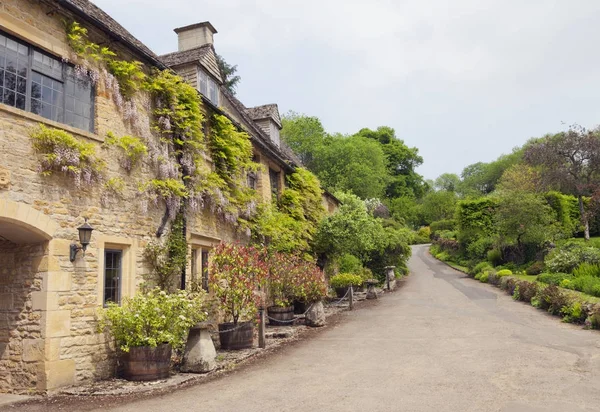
(146, 363)
(280, 315)
(234, 337)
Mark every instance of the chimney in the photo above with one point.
(195, 35)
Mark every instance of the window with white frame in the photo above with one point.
(208, 87)
(39, 83)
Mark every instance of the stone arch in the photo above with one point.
(20, 223)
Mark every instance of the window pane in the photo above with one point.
(78, 104)
(21, 85)
(9, 97)
(36, 106)
(112, 276)
(10, 81)
(20, 101)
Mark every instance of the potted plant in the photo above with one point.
(237, 273)
(281, 286)
(341, 282)
(148, 326)
(309, 286)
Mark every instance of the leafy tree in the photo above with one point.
(355, 164)
(351, 230)
(482, 178)
(304, 135)
(569, 161)
(439, 205)
(401, 162)
(520, 177)
(524, 218)
(230, 78)
(449, 182)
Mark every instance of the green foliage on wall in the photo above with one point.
(167, 257)
(61, 152)
(133, 149)
(291, 223)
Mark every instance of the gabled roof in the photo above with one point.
(204, 55)
(188, 56)
(96, 16)
(266, 111)
(285, 156)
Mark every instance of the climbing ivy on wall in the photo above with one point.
(290, 224)
(61, 152)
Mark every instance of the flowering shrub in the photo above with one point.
(344, 280)
(154, 318)
(236, 273)
(61, 152)
(293, 278)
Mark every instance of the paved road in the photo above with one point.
(442, 343)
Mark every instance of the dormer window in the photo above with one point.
(208, 87)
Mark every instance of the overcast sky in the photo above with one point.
(462, 80)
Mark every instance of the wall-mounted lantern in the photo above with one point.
(85, 234)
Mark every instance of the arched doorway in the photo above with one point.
(24, 237)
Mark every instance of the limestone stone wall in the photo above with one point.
(21, 343)
(63, 316)
(48, 304)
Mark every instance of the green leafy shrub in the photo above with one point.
(493, 278)
(587, 269)
(552, 299)
(586, 284)
(504, 272)
(484, 277)
(153, 318)
(535, 268)
(494, 256)
(566, 257)
(443, 256)
(573, 313)
(349, 264)
(553, 278)
(480, 267)
(343, 280)
(478, 276)
(447, 224)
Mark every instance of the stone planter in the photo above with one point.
(146, 363)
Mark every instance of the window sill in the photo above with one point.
(39, 119)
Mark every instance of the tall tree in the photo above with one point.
(448, 182)
(304, 134)
(353, 164)
(570, 162)
(401, 162)
(231, 79)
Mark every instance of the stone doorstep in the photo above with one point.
(9, 399)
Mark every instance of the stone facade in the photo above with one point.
(48, 304)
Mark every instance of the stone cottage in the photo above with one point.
(48, 296)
